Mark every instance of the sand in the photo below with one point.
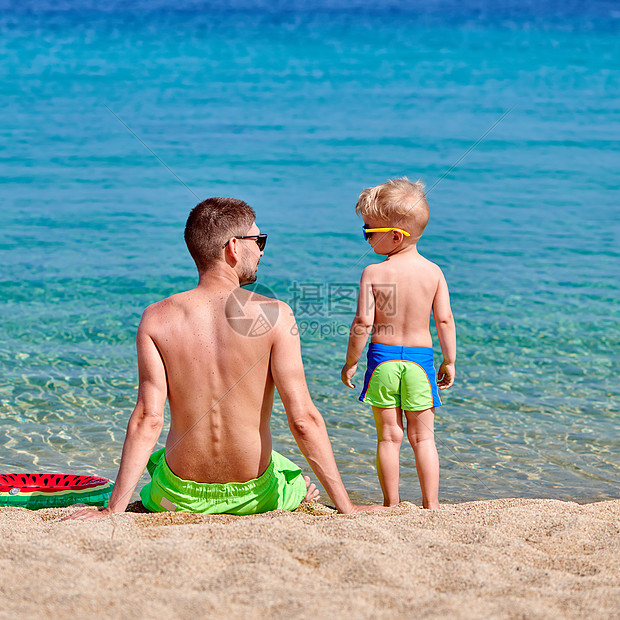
(507, 558)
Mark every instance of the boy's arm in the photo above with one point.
(446, 332)
(360, 328)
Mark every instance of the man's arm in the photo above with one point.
(446, 332)
(360, 328)
(305, 421)
(144, 426)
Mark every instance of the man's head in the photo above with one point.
(397, 203)
(211, 234)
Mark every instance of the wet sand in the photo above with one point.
(508, 558)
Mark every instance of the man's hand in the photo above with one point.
(88, 514)
(346, 374)
(445, 376)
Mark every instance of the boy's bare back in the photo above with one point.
(404, 290)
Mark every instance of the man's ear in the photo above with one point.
(231, 252)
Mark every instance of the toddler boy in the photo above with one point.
(395, 302)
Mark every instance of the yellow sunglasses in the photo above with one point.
(366, 231)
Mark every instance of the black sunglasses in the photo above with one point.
(261, 240)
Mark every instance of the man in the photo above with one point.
(216, 352)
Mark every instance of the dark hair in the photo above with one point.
(211, 223)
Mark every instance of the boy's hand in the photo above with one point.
(346, 374)
(445, 376)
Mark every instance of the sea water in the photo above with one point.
(116, 121)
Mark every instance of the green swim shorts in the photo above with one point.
(400, 377)
(280, 487)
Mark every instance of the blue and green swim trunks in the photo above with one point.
(400, 377)
(280, 487)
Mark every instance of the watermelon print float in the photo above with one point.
(53, 490)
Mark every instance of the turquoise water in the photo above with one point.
(296, 111)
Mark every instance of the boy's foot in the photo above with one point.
(312, 494)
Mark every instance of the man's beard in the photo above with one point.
(248, 275)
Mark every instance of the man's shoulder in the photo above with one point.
(158, 310)
(249, 296)
(165, 304)
(249, 302)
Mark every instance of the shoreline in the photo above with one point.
(502, 558)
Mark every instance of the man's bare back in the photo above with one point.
(220, 387)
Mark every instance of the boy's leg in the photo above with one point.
(421, 435)
(390, 433)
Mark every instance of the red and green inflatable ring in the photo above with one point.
(53, 490)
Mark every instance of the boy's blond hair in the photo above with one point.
(399, 202)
